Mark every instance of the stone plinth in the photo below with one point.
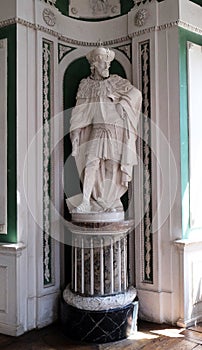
(99, 326)
(99, 296)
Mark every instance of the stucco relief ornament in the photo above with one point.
(141, 17)
(49, 17)
(99, 6)
(74, 10)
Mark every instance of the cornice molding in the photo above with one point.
(137, 33)
(190, 27)
(14, 249)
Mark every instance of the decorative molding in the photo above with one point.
(63, 50)
(8, 22)
(98, 303)
(49, 17)
(12, 249)
(98, 6)
(109, 42)
(94, 9)
(190, 27)
(144, 52)
(3, 289)
(47, 241)
(3, 229)
(126, 49)
(141, 17)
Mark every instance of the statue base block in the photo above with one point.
(96, 217)
(99, 326)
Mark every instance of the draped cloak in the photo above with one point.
(105, 136)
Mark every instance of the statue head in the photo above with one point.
(100, 60)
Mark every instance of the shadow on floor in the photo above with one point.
(150, 336)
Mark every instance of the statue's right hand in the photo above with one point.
(74, 136)
(120, 110)
(74, 152)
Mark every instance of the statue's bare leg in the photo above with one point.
(88, 184)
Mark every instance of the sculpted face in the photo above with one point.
(102, 68)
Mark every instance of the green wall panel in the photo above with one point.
(11, 236)
(184, 37)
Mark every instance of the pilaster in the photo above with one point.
(12, 289)
(190, 264)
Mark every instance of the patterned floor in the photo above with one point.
(149, 337)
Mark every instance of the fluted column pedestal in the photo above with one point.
(98, 306)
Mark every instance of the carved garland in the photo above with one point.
(47, 242)
(144, 50)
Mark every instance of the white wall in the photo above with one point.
(21, 265)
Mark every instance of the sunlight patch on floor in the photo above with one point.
(141, 335)
(170, 332)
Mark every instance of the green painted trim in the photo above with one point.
(184, 37)
(9, 33)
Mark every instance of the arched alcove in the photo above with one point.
(75, 71)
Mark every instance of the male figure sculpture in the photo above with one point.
(103, 131)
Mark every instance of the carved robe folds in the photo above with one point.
(106, 138)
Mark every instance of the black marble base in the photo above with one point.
(98, 326)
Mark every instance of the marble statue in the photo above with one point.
(103, 132)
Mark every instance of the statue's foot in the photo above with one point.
(84, 207)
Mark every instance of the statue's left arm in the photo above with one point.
(128, 100)
(131, 102)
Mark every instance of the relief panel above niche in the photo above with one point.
(93, 9)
